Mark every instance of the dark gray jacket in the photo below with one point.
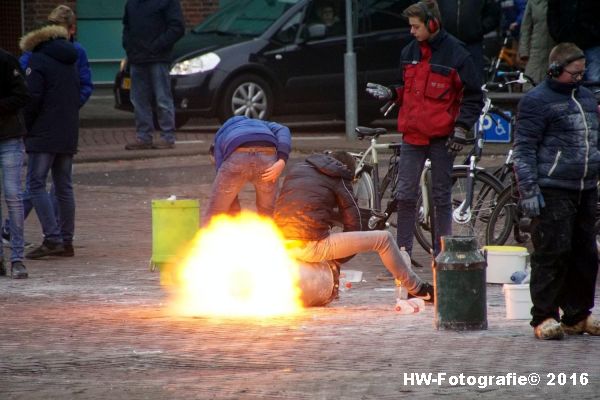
(13, 97)
(469, 20)
(556, 140)
(150, 29)
(311, 192)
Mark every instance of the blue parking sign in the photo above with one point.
(496, 129)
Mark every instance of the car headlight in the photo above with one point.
(203, 63)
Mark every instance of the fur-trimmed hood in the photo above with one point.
(52, 41)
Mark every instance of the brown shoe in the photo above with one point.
(163, 144)
(138, 145)
(590, 325)
(550, 329)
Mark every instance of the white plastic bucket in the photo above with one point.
(518, 301)
(503, 261)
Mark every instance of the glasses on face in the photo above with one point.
(576, 74)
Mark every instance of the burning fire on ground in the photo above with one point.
(236, 267)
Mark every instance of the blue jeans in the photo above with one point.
(592, 64)
(12, 153)
(39, 165)
(344, 244)
(411, 163)
(150, 82)
(237, 170)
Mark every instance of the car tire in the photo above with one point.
(248, 95)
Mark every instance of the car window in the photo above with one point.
(288, 32)
(328, 13)
(245, 17)
(385, 14)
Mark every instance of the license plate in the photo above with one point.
(126, 83)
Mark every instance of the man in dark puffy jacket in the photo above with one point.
(556, 159)
(440, 99)
(150, 29)
(13, 97)
(52, 120)
(305, 212)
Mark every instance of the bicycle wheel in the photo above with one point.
(364, 190)
(486, 189)
(502, 218)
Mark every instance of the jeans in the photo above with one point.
(237, 170)
(151, 82)
(564, 263)
(592, 63)
(411, 163)
(344, 244)
(39, 165)
(12, 153)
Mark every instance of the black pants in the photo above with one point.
(564, 263)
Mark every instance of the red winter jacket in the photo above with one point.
(440, 89)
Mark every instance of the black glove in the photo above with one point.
(457, 140)
(379, 91)
(531, 205)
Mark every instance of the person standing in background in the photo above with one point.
(469, 21)
(150, 29)
(578, 21)
(13, 97)
(535, 42)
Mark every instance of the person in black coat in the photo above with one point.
(305, 210)
(52, 120)
(13, 97)
(150, 29)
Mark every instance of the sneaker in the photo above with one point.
(46, 249)
(550, 329)
(163, 144)
(426, 293)
(2, 267)
(138, 145)
(68, 251)
(590, 325)
(18, 270)
(5, 237)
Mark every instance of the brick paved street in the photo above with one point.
(95, 326)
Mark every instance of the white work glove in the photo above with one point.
(457, 140)
(379, 91)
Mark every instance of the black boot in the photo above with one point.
(46, 249)
(2, 267)
(18, 270)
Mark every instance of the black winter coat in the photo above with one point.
(469, 20)
(13, 97)
(556, 141)
(576, 21)
(150, 29)
(310, 193)
(52, 115)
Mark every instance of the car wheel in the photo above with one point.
(247, 95)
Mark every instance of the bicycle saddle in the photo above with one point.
(363, 131)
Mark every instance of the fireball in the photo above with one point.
(237, 267)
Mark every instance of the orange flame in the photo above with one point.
(237, 267)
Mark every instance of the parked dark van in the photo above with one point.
(264, 57)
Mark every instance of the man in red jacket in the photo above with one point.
(440, 99)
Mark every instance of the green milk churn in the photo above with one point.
(174, 224)
(460, 291)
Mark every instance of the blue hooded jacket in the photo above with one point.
(239, 130)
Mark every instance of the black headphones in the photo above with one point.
(431, 22)
(556, 68)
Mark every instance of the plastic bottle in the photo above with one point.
(418, 304)
(405, 307)
(518, 276)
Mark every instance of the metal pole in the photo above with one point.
(350, 76)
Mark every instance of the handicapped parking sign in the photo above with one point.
(497, 129)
